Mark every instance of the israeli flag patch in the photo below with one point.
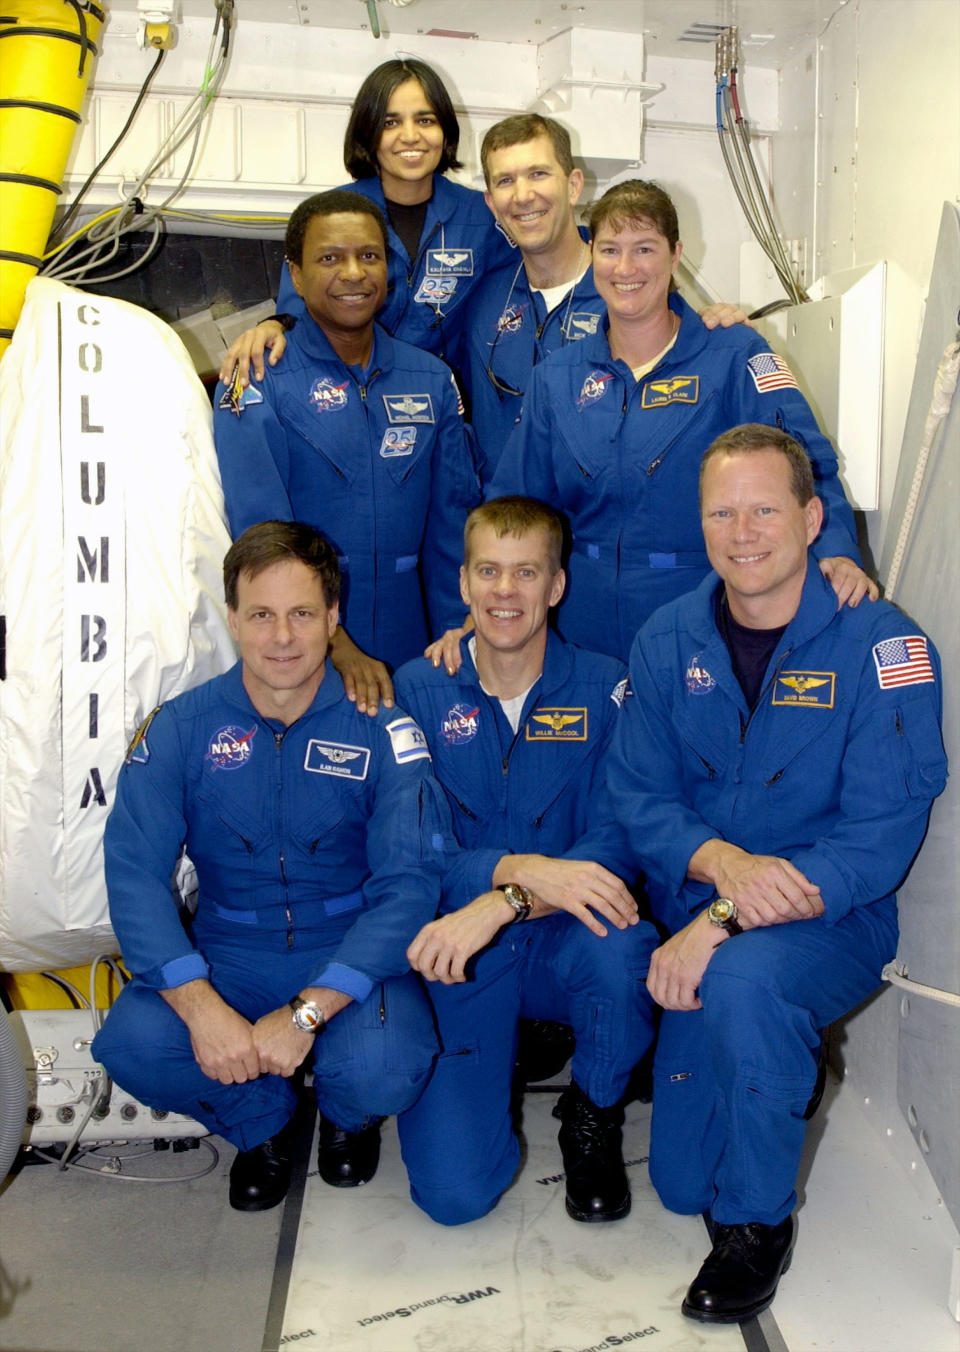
(407, 741)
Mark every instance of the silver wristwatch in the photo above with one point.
(519, 897)
(307, 1015)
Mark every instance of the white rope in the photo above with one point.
(943, 390)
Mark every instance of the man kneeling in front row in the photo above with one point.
(319, 839)
(518, 737)
(776, 768)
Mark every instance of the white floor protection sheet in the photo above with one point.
(373, 1274)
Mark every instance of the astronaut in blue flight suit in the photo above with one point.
(320, 839)
(518, 737)
(775, 770)
(357, 434)
(532, 305)
(402, 137)
(613, 427)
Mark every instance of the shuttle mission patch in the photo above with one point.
(407, 741)
(620, 692)
(336, 758)
(230, 747)
(398, 441)
(805, 689)
(676, 390)
(557, 725)
(771, 372)
(237, 396)
(138, 753)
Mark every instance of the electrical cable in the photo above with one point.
(896, 977)
(71, 210)
(77, 996)
(86, 1153)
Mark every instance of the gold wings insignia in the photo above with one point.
(557, 721)
(803, 683)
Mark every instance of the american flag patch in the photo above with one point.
(903, 661)
(456, 390)
(771, 372)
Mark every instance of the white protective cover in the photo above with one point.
(112, 536)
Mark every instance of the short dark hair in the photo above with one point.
(517, 515)
(636, 200)
(749, 437)
(523, 127)
(369, 112)
(332, 203)
(270, 542)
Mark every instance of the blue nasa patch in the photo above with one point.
(460, 724)
(398, 441)
(336, 758)
(580, 324)
(449, 262)
(697, 679)
(594, 387)
(230, 747)
(435, 291)
(409, 408)
(326, 397)
(511, 319)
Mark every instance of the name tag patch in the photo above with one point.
(557, 725)
(337, 758)
(449, 262)
(809, 689)
(676, 390)
(580, 324)
(398, 441)
(407, 741)
(409, 408)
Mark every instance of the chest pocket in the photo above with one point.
(321, 809)
(333, 434)
(222, 821)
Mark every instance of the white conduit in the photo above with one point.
(896, 974)
(943, 390)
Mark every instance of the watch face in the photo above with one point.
(722, 909)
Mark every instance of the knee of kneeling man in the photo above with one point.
(455, 1206)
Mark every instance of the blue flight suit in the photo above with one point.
(621, 458)
(835, 769)
(539, 791)
(319, 850)
(378, 460)
(505, 332)
(461, 242)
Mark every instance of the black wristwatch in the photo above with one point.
(519, 897)
(723, 913)
(287, 322)
(307, 1015)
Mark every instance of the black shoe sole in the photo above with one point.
(598, 1217)
(748, 1312)
(258, 1205)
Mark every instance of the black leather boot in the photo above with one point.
(591, 1142)
(348, 1158)
(740, 1275)
(259, 1178)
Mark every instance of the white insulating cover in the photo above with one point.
(112, 536)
